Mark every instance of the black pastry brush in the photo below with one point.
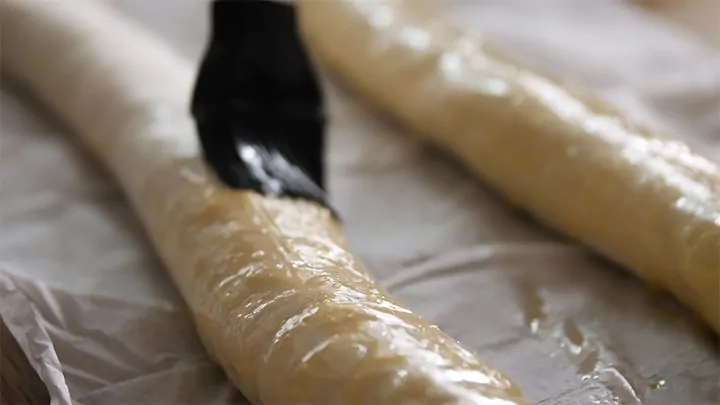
(258, 104)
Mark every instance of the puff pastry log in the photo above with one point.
(646, 202)
(278, 299)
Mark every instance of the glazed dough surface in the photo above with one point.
(278, 299)
(646, 202)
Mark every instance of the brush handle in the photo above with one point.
(277, 297)
(579, 165)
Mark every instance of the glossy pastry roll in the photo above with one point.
(579, 165)
(240, 218)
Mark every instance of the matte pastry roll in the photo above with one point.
(279, 300)
(644, 201)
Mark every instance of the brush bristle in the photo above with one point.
(258, 104)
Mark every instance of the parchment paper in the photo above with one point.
(91, 306)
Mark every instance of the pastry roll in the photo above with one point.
(239, 217)
(644, 201)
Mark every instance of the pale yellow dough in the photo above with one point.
(278, 299)
(646, 202)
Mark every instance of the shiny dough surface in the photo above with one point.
(646, 202)
(278, 299)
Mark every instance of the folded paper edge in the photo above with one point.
(26, 326)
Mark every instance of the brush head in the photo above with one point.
(258, 103)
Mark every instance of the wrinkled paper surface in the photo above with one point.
(90, 304)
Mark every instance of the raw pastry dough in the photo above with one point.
(648, 203)
(277, 297)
